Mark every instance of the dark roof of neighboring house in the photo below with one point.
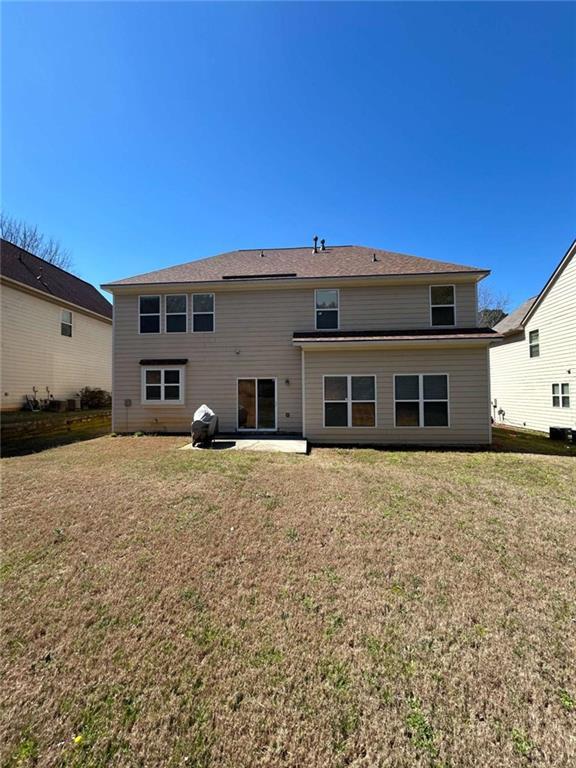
(22, 266)
(335, 261)
(513, 321)
(426, 334)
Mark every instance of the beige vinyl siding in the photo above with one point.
(522, 385)
(252, 338)
(34, 353)
(468, 382)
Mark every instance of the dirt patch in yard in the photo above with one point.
(350, 608)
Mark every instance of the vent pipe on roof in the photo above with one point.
(323, 244)
(261, 253)
(374, 257)
(315, 249)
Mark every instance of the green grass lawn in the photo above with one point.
(352, 607)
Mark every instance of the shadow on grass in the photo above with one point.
(36, 444)
(510, 440)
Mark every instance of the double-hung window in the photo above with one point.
(163, 385)
(327, 304)
(66, 323)
(176, 313)
(442, 305)
(421, 400)
(561, 395)
(203, 312)
(534, 343)
(349, 401)
(149, 314)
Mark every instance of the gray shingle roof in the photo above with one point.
(335, 261)
(513, 321)
(18, 264)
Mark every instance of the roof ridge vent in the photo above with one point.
(262, 254)
(315, 249)
(323, 244)
(374, 257)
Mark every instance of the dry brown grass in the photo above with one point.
(349, 608)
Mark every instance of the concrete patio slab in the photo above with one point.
(275, 444)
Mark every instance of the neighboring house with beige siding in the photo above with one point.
(533, 365)
(56, 331)
(340, 344)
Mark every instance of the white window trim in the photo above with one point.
(166, 313)
(150, 314)
(533, 343)
(434, 306)
(257, 428)
(316, 310)
(421, 400)
(213, 313)
(162, 368)
(349, 401)
(65, 322)
(560, 396)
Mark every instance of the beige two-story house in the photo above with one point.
(56, 331)
(340, 344)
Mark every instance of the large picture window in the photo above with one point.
(149, 309)
(163, 385)
(176, 313)
(442, 305)
(421, 400)
(349, 401)
(203, 312)
(327, 303)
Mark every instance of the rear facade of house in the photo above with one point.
(340, 344)
(56, 331)
(533, 365)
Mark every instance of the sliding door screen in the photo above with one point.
(257, 404)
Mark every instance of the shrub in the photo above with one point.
(95, 398)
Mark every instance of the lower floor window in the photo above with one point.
(561, 395)
(163, 385)
(349, 401)
(421, 400)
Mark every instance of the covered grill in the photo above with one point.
(204, 427)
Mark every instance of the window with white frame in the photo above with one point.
(66, 323)
(176, 313)
(327, 305)
(534, 343)
(203, 312)
(163, 385)
(442, 305)
(349, 401)
(149, 314)
(561, 395)
(421, 400)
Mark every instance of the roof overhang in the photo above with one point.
(390, 340)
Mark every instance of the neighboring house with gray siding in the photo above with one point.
(533, 365)
(340, 344)
(56, 330)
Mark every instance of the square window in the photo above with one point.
(150, 324)
(153, 377)
(171, 376)
(565, 402)
(336, 414)
(203, 323)
(565, 389)
(442, 294)
(555, 389)
(407, 414)
(363, 388)
(163, 385)
(153, 392)
(407, 387)
(335, 388)
(175, 323)
(435, 414)
(172, 392)
(327, 299)
(363, 414)
(203, 302)
(327, 320)
(436, 387)
(442, 315)
(176, 304)
(149, 305)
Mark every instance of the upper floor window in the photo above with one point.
(163, 385)
(442, 305)
(534, 343)
(149, 308)
(203, 312)
(349, 401)
(327, 302)
(66, 323)
(561, 395)
(177, 313)
(421, 400)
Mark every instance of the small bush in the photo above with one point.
(95, 398)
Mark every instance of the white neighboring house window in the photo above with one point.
(66, 323)
(561, 395)
(327, 306)
(149, 314)
(203, 312)
(421, 400)
(442, 305)
(176, 313)
(534, 343)
(163, 385)
(349, 401)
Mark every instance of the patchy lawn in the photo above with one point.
(349, 608)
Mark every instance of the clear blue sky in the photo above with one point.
(144, 135)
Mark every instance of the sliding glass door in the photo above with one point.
(257, 404)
